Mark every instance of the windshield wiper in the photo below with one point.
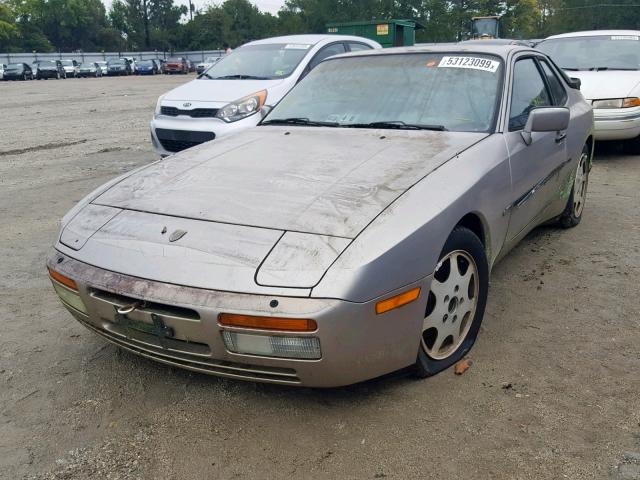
(206, 75)
(299, 121)
(599, 69)
(239, 77)
(397, 124)
(572, 69)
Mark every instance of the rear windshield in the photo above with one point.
(174, 60)
(602, 52)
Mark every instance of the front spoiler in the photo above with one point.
(356, 343)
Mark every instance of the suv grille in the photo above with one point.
(178, 140)
(195, 113)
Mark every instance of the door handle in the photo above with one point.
(560, 136)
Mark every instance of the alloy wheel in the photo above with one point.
(451, 305)
(580, 185)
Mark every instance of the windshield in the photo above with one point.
(174, 60)
(485, 27)
(87, 65)
(45, 64)
(425, 90)
(117, 61)
(14, 66)
(266, 62)
(145, 63)
(604, 52)
(67, 63)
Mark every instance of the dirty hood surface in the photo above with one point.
(314, 180)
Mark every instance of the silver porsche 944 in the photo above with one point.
(350, 234)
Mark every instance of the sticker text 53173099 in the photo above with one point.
(474, 63)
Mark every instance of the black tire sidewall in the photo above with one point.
(460, 239)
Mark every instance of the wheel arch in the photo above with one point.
(476, 222)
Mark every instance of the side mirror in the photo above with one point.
(545, 119)
(575, 83)
(264, 111)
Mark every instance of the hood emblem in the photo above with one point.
(177, 235)
(186, 105)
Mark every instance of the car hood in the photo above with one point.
(219, 90)
(607, 83)
(313, 180)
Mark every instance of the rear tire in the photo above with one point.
(456, 303)
(632, 147)
(572, 214)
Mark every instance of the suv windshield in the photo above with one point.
(266, 61)
(410, 91)
(602, 52)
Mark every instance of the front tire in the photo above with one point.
(455, 305)
(572, 214)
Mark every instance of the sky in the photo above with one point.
(266, 5)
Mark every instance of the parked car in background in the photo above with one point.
(2, 67)
(71, 68)
(118, 66)
(229, 95)
(103, 67)
(147, 67)
(349, 235)
(90, 69)
(50, 69)
(607, 63)
(132, 64)
(176, 65)
(18, 71)
(208, 62)
(191, 66)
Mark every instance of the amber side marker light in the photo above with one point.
(631, 102)
(66, 281)
(267, 323)
(398, 301)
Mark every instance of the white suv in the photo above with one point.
(230, 94)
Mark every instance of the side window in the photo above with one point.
(558, 92)
(356, 46)
(326, 52)
(529, 91)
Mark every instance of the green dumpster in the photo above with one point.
(388, 33)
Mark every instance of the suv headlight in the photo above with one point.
(243, 108)
(159, 104)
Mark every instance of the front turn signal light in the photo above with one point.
(398, 301)
(631, 102)
(66, 281)
(267, 323)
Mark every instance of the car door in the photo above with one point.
(534, 168)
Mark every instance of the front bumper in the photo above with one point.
(617, 123)
(356, 344)
(170, 135)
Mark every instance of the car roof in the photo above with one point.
(310, 39)
(502, 51)
(595, 33)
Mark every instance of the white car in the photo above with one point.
(231, 94)
(2, 67)
(103, 67)
(132, 61)
(71, 68)
(208, 62)
(607, 62)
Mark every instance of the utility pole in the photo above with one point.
(145, 13)
(191, 9)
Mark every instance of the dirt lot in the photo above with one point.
(554, 390)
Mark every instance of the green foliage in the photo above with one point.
(46, 25)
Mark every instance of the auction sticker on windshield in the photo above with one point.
(296, 46)
(475, 63)
(624, 37)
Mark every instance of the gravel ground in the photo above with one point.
(553, 392)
